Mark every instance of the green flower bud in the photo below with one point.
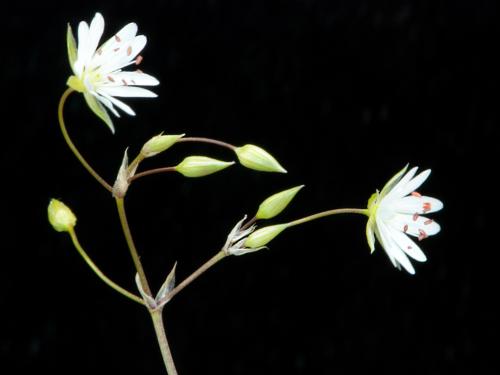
(199, 166)
(254, 157)
(263, 236)
(159, 143)
(60, 216)
(276, 203)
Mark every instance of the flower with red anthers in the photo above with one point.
(395, 213)
(98, 72)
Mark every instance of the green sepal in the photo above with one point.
(71, 43)
(99, 110)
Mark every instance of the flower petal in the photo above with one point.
(94, 36)
(130, 79)
(407, 245)
(393, 193)
(392, 248)
(414, 184)
(415, 225)
(393, 181)
(127, 92)
(416, 204)
(83, 31)
(124, 107)
(124, 55)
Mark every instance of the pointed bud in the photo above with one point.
(125, 173)
(159, 143)
(264, 235)
(167, 287)
(199, 166)
(276, 203)
(60, 216)
(254, 157)
(150, 301)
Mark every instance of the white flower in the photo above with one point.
(98, 71)
(395, 213)
(235, 243)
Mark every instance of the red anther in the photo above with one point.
(138, 60)
(116, 49)
(129, 50)
(124, 82)
(118, 39)
(111, 79)
(405, 228)
(428, 221)
(409, 247)
(427, 207)
(416, 194)
(422, 235)
(415, 216)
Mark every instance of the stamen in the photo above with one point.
(422, 235)
(405, 228)
(415, 216)
(138, 59)
(124, 82)
(416, 194)
(427, 207)
(133, 82)
(129, 50)
(116, 49)
(409, 247)
(428, 221)
(118, 39)
(111, 79)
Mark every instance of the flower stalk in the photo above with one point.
(72, 146)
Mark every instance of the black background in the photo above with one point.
(343, 93)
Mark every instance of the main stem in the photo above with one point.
(131, 246)
(162, 341)
(72, 146)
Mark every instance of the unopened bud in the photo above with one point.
(263, 236)
(60, 216)
(199, 166)
(254, 157)
(276, 203)
(159, 143)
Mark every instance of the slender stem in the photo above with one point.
(72, 146)
(135, 163)
(207, 140)
(99, 273)
(152, 171)
(162, 341)
(130, 242)
(216, 258)
(319, 215)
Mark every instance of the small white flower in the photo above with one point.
(235, 243)
(98, 71)
(395, 213)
